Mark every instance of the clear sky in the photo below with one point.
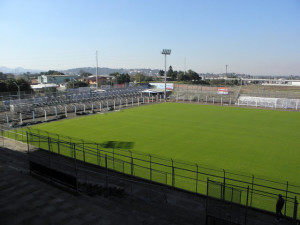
(250, 36)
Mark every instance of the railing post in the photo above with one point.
(206, 201)
(106, 161)
(49, 149)
(286, 193)
(197, 178)
(98, 155)
(150, 167)
(252, 189)
(83, 151)
(114, 157)
(131, 163)
(66, 111)
(224, 183)
(7, 120)
(247, 205)
(27, 142)
(58, 149)
(75, 165)
(173, 173)
(295, 210)
(71, 152)
(207, 186)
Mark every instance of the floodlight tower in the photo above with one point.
(166, 52)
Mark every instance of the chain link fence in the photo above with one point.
(246, 95)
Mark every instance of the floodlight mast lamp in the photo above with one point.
(166, 52)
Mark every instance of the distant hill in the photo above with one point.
(106, 71)
(92, 70)
(18, 70)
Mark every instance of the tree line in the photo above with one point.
(10, 85)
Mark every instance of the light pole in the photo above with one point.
(226, 75)
(166, 52)
(97, 69)
(18, 89)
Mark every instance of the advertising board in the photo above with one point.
(169, 86)
(222, 91)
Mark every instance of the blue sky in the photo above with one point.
(251, 36)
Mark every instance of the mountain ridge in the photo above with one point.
(92, 70)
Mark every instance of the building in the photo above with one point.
(92, 79)
(56, 79)
(39, 87)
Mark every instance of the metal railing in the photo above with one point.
(256, 191)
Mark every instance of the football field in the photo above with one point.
(252, 141)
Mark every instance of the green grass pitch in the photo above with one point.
(252, 141)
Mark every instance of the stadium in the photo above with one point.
(237, 151)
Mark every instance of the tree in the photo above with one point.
(193, 76)
(174, 75)
(82, 73)
(170, 72)
(161, 73)
(139, 77)
(10, 85)
(3, 76)
(121, 78)
(24, 84)
(52, 72)
(3, 86)
(181, 76)
(76, 84)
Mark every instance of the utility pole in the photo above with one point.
(166, 52)
(226, 74)
(184, 65)
(97, 69)
(19, 94)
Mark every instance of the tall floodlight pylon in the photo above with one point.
(166, 52)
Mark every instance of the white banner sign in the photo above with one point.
(169, 86)
(222, 91)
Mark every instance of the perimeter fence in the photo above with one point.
(255, 191)
(47, 113)
(246, 95)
